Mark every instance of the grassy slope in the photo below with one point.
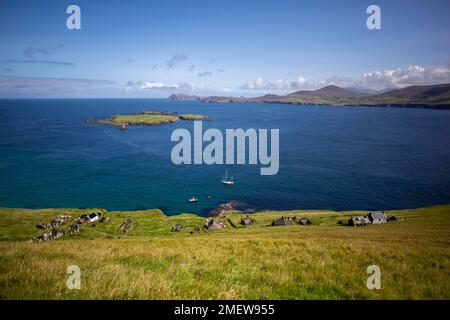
(324, 261)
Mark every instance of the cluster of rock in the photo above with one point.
(126, 226)
(57, 233)
(287, 221)
(54, 223)
(224, 209)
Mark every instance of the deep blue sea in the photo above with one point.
(330, 157)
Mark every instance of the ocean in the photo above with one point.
(333, 158)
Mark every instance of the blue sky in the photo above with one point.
(154, 48)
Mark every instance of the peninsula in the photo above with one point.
(429, 96)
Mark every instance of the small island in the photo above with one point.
(146, 118)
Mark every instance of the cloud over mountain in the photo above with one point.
(378, 79)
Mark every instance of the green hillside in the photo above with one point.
(324, 260)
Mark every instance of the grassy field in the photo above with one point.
(321, 261)
(143, 119)
(151, 118)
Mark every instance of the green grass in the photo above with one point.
(151, 118)
(321, 261)
(143, 119)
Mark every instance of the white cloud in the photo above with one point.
(280, 84)
(158, 85)
(378, 79)
(408, 76)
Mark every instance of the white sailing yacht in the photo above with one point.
(227, 181)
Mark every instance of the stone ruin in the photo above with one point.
(304, 221)
(359, 221)
(57, 233)
(194, 230)
(247, 221)
(73, 229)
(214, 224)
(126, 226)
(54, 223)
(283, 221)
(177, 228)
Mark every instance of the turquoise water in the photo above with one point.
(330, 157)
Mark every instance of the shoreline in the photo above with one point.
(233, 210)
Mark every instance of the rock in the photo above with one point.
(177, 228)
(224, 209)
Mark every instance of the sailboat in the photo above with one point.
(227, 181)
(193, 199)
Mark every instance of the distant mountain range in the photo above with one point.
(429, 96)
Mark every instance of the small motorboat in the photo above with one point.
(227, 181)
(123, 126)
(193, 199)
